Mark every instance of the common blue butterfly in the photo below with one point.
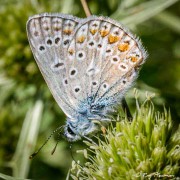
(88, 65)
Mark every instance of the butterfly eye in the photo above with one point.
(70, 131)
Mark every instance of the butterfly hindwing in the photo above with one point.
(107, 58)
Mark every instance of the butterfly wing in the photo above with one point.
(106, 57)
(49, 37)
(93, 58)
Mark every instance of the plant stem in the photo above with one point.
(86, 8)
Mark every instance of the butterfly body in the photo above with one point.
(83, 124)
(80, 127)
(88, 65)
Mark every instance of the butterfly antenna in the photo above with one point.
(35, 153)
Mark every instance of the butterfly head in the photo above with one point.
(78, 128)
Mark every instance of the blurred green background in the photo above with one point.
(28, 113)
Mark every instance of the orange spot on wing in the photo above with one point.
(93, 31)
(123, 47)
(113, 39)
(71, 51)
(67, 31)
(134, 59)
(80, 39)
(104, 33)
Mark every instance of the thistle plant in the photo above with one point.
(148, 147)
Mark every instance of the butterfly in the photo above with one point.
(88, 65)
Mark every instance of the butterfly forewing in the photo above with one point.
(49, 36)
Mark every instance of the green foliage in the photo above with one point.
(147, 147)
(22, 85)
